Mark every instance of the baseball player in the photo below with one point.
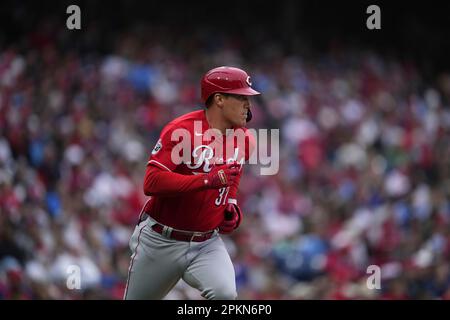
(192, 178)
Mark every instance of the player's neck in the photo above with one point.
(216, 121)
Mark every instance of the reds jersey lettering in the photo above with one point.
(203, 155)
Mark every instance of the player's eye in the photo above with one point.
(240, 97)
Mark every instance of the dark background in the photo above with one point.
(410, 30)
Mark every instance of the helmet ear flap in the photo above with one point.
(249, 115)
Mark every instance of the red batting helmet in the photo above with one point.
(227, 80)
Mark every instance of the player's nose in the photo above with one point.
(245, 100)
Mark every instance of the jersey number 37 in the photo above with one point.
(222, 198)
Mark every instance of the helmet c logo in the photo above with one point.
(248, 81)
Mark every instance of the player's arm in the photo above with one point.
(232, 215)
(160, 182)
(232, 194)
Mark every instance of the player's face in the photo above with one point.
(236, 108)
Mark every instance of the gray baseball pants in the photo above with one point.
(158, 263)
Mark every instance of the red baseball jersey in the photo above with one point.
(187, 145)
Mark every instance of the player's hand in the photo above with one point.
(232, 219)
(221, 175)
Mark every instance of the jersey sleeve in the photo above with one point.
(162, 155)
(248, 149)
(232, 194)
(159, 182)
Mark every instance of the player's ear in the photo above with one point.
(219, 99)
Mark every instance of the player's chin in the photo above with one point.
(241, 121)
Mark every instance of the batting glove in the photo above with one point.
(232, 219)
(221, 176)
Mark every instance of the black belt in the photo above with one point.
(182, 235)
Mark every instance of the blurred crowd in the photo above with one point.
(364, 175)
